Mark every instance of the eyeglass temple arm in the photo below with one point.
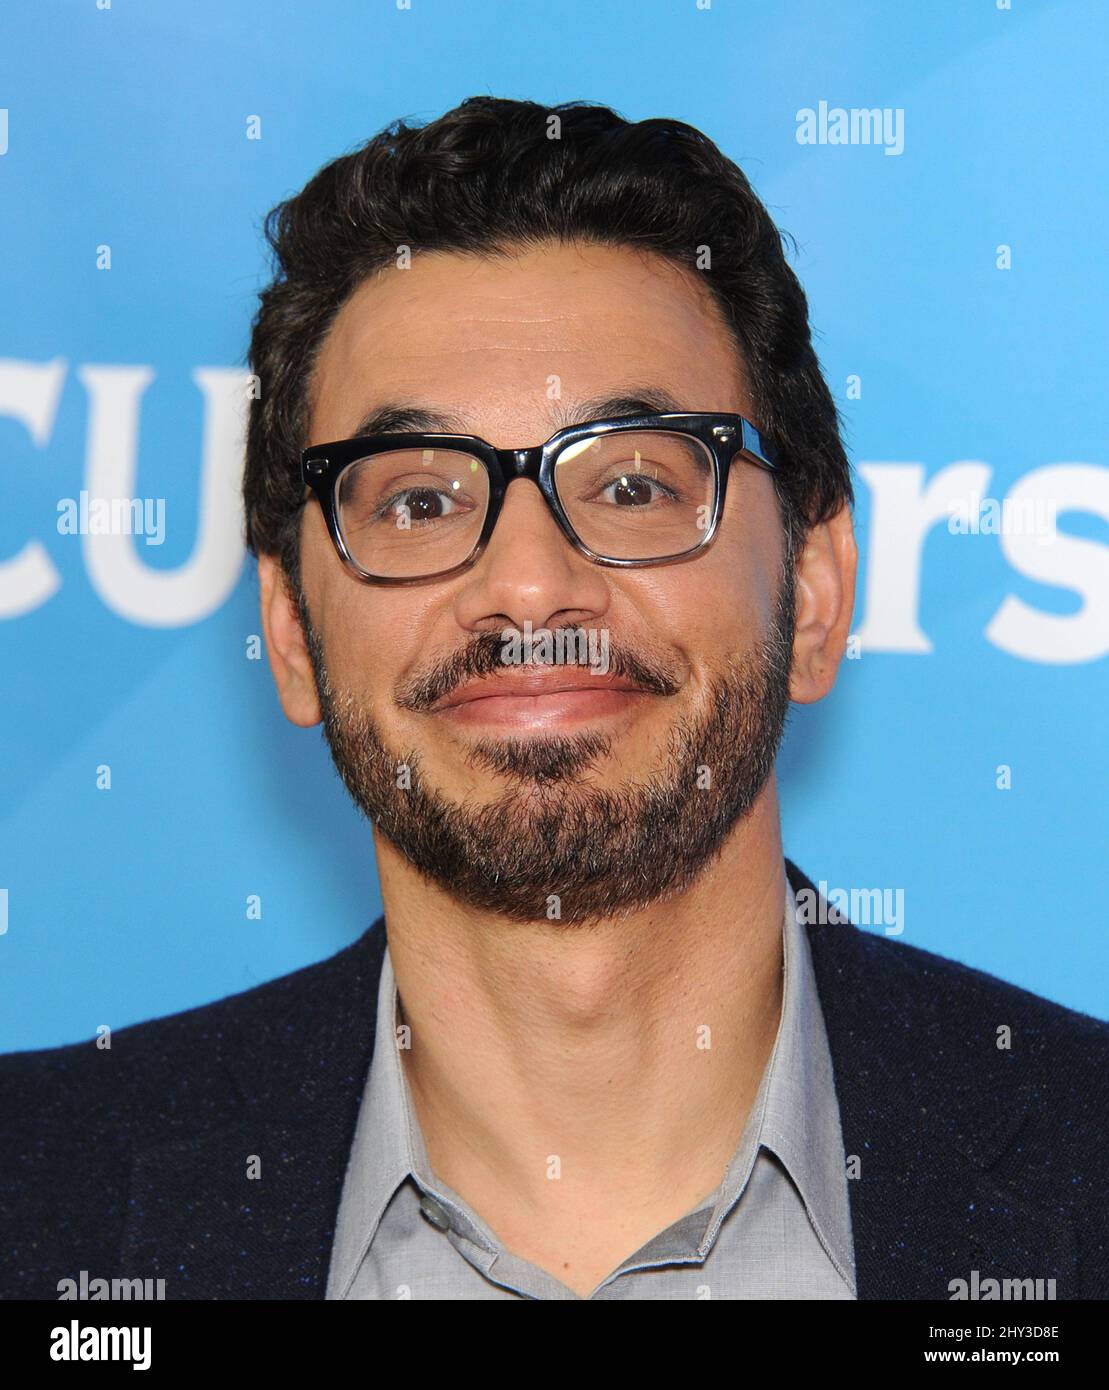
(752, 443)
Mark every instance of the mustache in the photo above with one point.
(483, 656)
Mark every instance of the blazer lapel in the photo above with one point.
(930, 1108)
(238, 1196)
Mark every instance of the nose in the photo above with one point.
(530, 571)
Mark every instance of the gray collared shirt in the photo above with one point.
(778, 1226)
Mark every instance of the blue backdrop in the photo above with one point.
(943, 169)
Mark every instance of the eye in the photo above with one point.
(636, 489)
(417, 504)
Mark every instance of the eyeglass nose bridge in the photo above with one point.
(529, 465)
(520, 463)
(526, 464)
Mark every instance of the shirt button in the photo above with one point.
(435, 1212)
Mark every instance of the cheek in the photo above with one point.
(727, 601)
(743, 571)
(368, 633)
(376, 638)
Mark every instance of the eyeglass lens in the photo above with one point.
(629, 495)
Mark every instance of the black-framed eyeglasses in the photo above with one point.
(631, 490)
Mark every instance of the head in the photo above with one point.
(503, 269)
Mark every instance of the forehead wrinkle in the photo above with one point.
(398, 416)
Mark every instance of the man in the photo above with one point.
(606, 1041)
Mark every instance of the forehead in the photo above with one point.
(502, 343)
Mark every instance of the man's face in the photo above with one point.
(565, 805)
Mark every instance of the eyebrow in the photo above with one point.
(398, 416)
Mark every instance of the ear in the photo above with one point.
(825, 603)
(285, 646)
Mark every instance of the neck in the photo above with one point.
(561, 1072)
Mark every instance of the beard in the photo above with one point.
(552, 847)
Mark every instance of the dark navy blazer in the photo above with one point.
(133, 1163)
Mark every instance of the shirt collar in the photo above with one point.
(795, 1115)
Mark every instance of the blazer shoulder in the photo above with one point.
(929, 989)
(181, 1053)
(948, 991)
(992, 1064)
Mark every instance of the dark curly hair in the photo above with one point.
(488, 178)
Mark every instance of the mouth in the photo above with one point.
(540, 699)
